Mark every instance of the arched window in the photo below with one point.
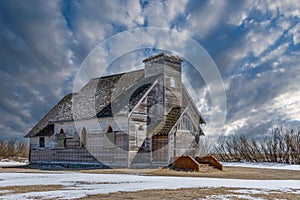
(83, 138)
(61, 138)
(140, 135)
(42, 142)
(141, 128)
(109, 129)
(185, 123)
(110, 137)
(172, 82)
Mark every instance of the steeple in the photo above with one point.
(169, 67)
(155, 64)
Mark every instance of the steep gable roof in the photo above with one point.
(96, 95)
(128, 99)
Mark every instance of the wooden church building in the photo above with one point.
(142, 118)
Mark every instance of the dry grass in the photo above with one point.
(228, 172)
(236, 173)
(194, 193)
(29, 188)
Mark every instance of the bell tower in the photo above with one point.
(168, 68)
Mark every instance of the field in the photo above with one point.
(237, 182)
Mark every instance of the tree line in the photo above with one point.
(281, 146)
(14, 150)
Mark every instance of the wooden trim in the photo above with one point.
(190, 98)
(143, 97)
(178, 120)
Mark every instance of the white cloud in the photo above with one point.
(295, 32)
(273, 8)
(261, 37)
(134, 10)
(201, 22)
(46, 43)
(175, 8)
(269, 99)
(274, 55)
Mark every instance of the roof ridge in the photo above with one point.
(111, 75)
(165, 55)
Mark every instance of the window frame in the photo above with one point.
(172, 82)
(83, 138)
(42, 142)
(109, 137)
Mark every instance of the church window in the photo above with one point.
(172, 82)
(83, 138)
(110, 138)
(139, 135)
(186, 124)
(61, 139)
(42, 142)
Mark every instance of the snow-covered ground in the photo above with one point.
(10, 163)
(262, 165)
(82, 184)
(78, 185)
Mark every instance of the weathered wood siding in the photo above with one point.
(93, 151)
(173, 93)
(112, 155)
(139, 142)
(72, 153)
(138, 126)
(160, 149)
(183, 138)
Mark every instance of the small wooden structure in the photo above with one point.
(211, 160)
(189, 163)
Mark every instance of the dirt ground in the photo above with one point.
(228, 172)
(187, 194)
(197, 193)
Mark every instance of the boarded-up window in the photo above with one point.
(61, 139)
(42, 142)
(186, 124)
(140, 136)
(110, 138)
(83, 138)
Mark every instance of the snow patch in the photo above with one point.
(10, 163)
(264, 165)
(252, 191)
(82, 184)
(231, 196)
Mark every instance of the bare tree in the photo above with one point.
(14, 149)
(280, 145)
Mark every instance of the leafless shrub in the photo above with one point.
(13, 149)
(282, 146)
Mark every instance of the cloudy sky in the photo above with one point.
(254, 44)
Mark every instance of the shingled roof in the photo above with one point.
(109, 96)
(128, 99)
(165, 55)
(96, 98)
